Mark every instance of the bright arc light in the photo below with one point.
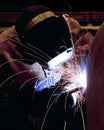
(80, 81)
(83, 78)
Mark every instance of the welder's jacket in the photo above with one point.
(21, 106)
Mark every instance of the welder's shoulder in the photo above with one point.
(6, 40)
(8, 34)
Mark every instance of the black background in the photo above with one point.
(55, 5)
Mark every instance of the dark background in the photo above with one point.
(90, 13)
(55, 5)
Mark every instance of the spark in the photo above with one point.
(77, 78)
